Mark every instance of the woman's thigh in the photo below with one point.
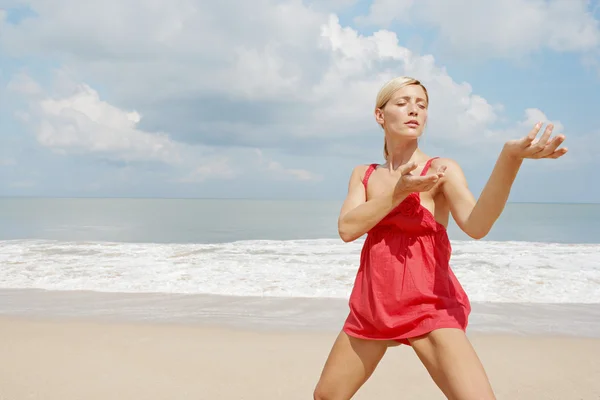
(453, 364)
(350, 363)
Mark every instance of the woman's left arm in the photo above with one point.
(476, 218)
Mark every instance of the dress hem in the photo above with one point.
(404, 339)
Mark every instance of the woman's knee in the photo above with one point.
(322, 394)
(328, 392)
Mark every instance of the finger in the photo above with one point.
(420, 181)
(422, 188)
(541, 143)
(551, 146)
(428, 178)
(428, 182)
(532, 134)
(408, 167)
(558, 153)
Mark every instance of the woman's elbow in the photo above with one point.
(475, 229)
(477, 234)
(345, 233)
(346, 236)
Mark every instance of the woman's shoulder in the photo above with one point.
(449, 163)
(453, 172)
(360, 172)
(361, 169)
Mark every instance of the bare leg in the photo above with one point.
(453, 364)
(350, 363)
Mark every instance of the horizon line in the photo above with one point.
(236, 198)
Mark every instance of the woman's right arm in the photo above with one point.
(358, 215)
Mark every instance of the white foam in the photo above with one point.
(489, 271)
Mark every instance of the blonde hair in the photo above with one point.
(388, 90)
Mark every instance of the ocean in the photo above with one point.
(273, 251)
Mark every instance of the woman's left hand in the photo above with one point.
(528, 147)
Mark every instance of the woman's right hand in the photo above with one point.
(409, 183)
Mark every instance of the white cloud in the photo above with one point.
(315, 80)
(361, 64)
(321, 77)
(180, 47)
(81, 122)
(507, 28)
(77, 120)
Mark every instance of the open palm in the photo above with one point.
(544, 147)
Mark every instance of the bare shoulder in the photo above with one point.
(358, 172)
(362, 168)
(450, 163)
(356, 192)
(454, 171)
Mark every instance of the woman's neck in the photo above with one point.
(401, 152)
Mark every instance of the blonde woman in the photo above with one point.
(405, 291)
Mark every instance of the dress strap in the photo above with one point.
(368, 174)
(427, 165)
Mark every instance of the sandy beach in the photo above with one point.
(64, 359)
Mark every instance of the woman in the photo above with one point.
(405, 291)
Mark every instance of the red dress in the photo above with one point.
(404, 286)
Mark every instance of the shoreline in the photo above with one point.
(282, 314)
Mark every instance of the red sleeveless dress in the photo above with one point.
(404, 286)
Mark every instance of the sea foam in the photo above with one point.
(516, 272)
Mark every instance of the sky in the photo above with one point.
(275, 99)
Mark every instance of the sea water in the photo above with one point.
(536, 253)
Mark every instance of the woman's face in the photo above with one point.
(406, 112)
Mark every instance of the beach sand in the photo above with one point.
(64, 359)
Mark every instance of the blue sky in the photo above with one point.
(187, 99)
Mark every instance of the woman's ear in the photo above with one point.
(379, 116)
